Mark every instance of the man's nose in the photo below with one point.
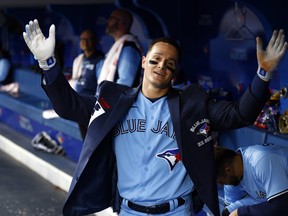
(162, 64)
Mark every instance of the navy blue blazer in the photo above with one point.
(194, 116)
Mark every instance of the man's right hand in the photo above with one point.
(42, 48)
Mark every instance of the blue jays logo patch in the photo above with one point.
(204, 130)
(204, 122)
(172, 157)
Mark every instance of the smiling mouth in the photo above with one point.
(159, 73)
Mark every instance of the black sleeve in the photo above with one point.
(258, 87)
(225, 212)
(276, 206)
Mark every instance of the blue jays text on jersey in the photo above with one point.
(139, 125)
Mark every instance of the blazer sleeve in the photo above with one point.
(235, 114)
(276, 206)
(66, 102)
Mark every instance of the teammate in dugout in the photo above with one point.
(255, 179)
(152, 144)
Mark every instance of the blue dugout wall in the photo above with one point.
(217, 37)
(201, 27)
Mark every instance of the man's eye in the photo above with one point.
(171, 69)
(153, 62)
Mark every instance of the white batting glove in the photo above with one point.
(269, 59)
(42, 48)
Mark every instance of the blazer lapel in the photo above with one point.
(104, 126)
(174, 107)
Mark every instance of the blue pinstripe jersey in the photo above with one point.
(149, 169)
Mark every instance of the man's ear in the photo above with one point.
(143, 61)
(229, 171)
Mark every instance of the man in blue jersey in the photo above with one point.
(86, 64)
(117, 65)
(85, 68)
(151, 145)
(255, 179)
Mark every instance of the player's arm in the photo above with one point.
(275, 206)
(232, 197)
(244, 112)
(66, 102)
(233, 193)
(248, 200)
(269, 58)
(268, 61)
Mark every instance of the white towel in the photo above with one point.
(111, 61)
(76, 70)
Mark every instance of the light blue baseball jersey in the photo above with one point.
(127, 72)
(4, 68)
(265, 171)
(235, 196)
(149, 169)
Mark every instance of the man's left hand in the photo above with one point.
(234, 213)
(269, 59)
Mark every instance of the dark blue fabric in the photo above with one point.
(276, 206)
(87, 83)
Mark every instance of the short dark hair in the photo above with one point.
(167, 40)
(223, 158)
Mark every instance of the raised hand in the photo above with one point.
(270, 58)
(42, 48)
(234, 213)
